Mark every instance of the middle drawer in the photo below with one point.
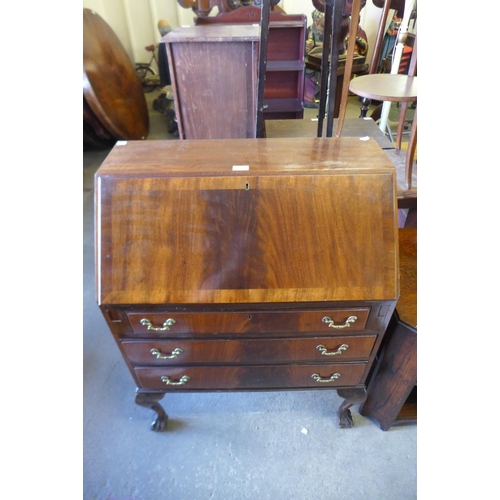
(248, 351)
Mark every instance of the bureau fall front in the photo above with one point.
(247, 264)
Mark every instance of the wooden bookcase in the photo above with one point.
(285, 67)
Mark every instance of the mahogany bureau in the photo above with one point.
(247, 264)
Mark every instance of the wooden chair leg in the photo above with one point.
(356, 7)
(401, 124)
(410, 154)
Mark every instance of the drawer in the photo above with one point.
(250, 377)
(318, 321)
(248, 351)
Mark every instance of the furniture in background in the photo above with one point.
(392, 390)
(359, 67)
(214, 80)
(211, 276)
(285, 66)
(388, 88)
(114, 106)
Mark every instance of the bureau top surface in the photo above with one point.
(215, 33)
(246, 221)
(262, 156)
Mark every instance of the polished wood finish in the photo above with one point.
(282, 275)
(244, 322)
(252, 376)
(407, 303)
(392, 390)
(111, 86)
(278, 256)
(214, 72)
(262, 351)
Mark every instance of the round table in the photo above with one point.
(385, 87)
(111, 86)
(390, 88)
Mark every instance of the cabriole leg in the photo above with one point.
(150, 400)
(351, 397)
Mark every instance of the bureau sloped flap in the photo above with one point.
(252, 237)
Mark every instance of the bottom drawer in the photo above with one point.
(250, 377)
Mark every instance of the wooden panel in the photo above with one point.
(256, 351)
(250, 377)
(282, 84)
(286, 43)
(407, 303)
(238, 237)
(263, 322)
(395, 378)
(214, 79)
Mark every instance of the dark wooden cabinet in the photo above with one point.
(392, 391)
(214, 71)
(249, 264)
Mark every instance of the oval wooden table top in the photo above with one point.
(385, 87)
(111, 86)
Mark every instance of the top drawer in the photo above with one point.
(328, 320)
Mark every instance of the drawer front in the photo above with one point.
(250, 377)
(253, 351)
(326, 321)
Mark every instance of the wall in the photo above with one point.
(135, 21)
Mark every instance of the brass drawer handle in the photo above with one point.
(318, 378)
(325, 352)
(159, 355)
(181, 381)
(347, 324)
(166, 326)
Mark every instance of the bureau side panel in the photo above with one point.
(215, 86)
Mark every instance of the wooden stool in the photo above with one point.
(392, 390)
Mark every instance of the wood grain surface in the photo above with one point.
(250, 377)
(110, 84)
(177, 226)
(407, 303)
(255, 351)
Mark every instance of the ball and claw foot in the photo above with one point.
(351, 397)
(150, 400)
(345, 418)
(159, 424)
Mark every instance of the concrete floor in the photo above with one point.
(223, 446)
